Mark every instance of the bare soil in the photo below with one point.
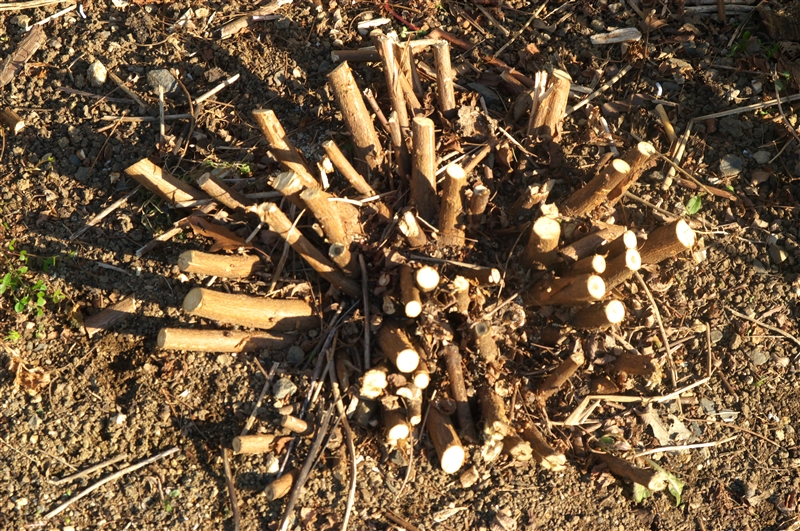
(117, 393)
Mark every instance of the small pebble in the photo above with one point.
(283, 388)
(224, 359)
(759, 267)
(758, 357)
(96, 74)
(761, 156)
(777, 255)
(164, 78)
(295, 355)
(730, 165)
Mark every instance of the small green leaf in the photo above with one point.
(674, 484)
(606, 441)
(640, 493)
(779, 86)
(19, 307)
(730, 189)
(694, 205)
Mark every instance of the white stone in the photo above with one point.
(97, 74)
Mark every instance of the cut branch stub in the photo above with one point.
(220, 340)
(289, 184)
(221, 192)
(612, 249)
(394, 420)
(279, 223)
(600, 315)
(451, 224)
(487, 346)
(162, 183)
(409, 292)
(544, 454)
(654, 481)
(638, 159)
(666, 242)
(410, 228)
(12, 120)
(589, 197)
(621, 268)
(253, 444)
(590, 264)
(444, 78)
(545, 122)
(281, 486)
(392, 73)
(281, 147)
(458, 390)
(495, 421)
(562, 372)
(427, 278)
(542, 242)
(344, 259)
(318, 201)
(397, 347)
(445, 440)
(218, 265)
(244, 310)
(567, 291)
(355, 179)
(423, 169)
(356, 117)
(587, 245)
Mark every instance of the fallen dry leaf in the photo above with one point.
(32, 379)
(224, 239)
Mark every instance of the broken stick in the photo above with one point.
(423, 169)
(162, 183)
(245, 310)
(448, 446)
(219, 265)
(458, 392)
(356, 117)
(219, 340)
(397, 347)
(279, 223)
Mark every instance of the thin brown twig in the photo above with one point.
(735, 427)
(109, 479)
(264, 390)
(762, 324)
(673, 376)
(365, 294)
(780, 110)
(108, 210)
(231, 489)
(31, 4)
(348, 436)
(684, 447)
(86, 472)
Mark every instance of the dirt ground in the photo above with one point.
(117, 393)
